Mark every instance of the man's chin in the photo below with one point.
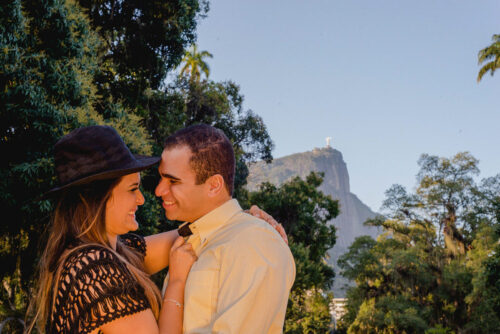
(172, 216)
(177, 215)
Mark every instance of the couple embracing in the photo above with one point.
(229, 271)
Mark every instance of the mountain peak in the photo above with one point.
(326, 160)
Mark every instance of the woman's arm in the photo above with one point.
(158, 250)
(259, 213)
(181, 259)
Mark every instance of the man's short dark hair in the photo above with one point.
(212, 152)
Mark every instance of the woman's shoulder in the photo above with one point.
(85, 257)
(135, 242)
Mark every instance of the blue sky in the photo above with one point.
(387, 80)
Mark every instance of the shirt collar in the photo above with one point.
(215, 219)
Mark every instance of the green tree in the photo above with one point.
(48, 60)
(143, 40)
(484, 260)
(487, 284)
(308, 312)
(194, 63)
(304, 212)
(490, 57)
(447, 191)
(430, 258)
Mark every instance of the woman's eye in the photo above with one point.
(133, 189)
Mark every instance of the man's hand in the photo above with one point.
(259, 213)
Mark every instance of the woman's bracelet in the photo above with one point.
(179, 305)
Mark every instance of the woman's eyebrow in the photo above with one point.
(135, 184)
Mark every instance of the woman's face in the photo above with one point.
(122, 205)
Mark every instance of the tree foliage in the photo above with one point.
(48, 62)
(429, 270)
(490, 57)
(143, 40)
(308, 312)
(194, 63)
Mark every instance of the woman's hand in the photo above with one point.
(182, 257)
(259, 213)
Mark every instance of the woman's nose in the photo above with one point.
(140, 198)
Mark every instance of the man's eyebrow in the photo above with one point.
(168, 176)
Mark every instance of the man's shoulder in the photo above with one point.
(245, 226)
(258, 244)
(247, 232)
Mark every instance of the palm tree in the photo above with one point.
(193, 63)
(491, 54)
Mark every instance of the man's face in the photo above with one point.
(183, 199)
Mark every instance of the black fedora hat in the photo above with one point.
(94, 153)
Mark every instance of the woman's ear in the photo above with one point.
(216, 184)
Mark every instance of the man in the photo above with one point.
(244, 272)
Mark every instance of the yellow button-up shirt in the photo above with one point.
(241, 280)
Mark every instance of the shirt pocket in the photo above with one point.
(200, 297)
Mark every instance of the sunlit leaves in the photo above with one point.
(415, 277)
(490, 57)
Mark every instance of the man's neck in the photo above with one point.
(216, 204)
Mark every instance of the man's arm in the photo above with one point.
(256, 275)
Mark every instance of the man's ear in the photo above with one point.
(215, 184)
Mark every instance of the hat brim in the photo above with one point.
(141, 163)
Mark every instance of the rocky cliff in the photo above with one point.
(353, 212)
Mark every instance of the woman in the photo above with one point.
(91, 279)
(94, 277)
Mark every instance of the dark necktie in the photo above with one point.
(184, 230)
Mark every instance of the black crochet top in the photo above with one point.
(115, 293)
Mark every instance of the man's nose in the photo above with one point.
(161, 189)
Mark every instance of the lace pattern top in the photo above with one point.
(94, 288)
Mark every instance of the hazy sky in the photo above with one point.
(387, 80)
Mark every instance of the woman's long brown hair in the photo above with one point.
(79, 219)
